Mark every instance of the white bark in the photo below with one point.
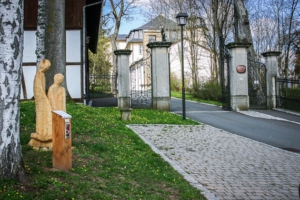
(11, 49)
(41, 29)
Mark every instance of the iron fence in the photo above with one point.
(140, 75)
(257, 84)
(101, 85)
(288, 93)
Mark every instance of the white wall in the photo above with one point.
(121, 44)
(135, 54)
(73, 54)
(29, 73)
(73, 46)
(29, 46)
(74, 80)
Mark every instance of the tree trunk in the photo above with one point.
(11, 49)
(55, 41)
(41, 30)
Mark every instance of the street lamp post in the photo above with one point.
(181, 21)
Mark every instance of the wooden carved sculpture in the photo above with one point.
(43, 135)
(57, 94)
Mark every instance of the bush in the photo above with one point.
(208, 91)
(175, 82)
(290, 99)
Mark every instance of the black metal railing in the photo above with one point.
(288, 93)
(257, 84)
(141, 87)
(101, 85)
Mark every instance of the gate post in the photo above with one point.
(161, 95)
(239, 98)
(272, 71)
(124, 100)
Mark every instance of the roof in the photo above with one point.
(153, 24)
(121, 37)
(136, 40)
(158, 21)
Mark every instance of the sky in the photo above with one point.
(137, 22)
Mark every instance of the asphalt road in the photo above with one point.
(281, 134)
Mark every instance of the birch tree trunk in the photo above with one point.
(11, 49)
(41, 30)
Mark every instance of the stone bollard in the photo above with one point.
(62, 143)
(126, 114)
(239, 97)
(272, 71)
(161, 99)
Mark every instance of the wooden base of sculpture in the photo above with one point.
(40, 141)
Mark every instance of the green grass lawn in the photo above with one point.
(190, 97)
(109, 160)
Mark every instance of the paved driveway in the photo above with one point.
(224, 165)
(275, 128)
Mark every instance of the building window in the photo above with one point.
(152, 38)
(141, 49)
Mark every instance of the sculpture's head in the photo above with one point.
(44, 65)
(58, 78)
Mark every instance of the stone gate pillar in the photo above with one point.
(161, 95)
(124, 100)
(239, 98)
(272, 71)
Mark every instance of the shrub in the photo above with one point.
(175, 82)
(208, 91)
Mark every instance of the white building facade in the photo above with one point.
(138, 39)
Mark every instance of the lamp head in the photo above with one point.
(181, 19)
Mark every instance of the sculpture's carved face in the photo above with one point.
(58, 78)
(44, 65)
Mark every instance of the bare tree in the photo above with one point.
(115, 12)
(11, 49)
(288, 37)
(273, 24)
(218, 19)
(118, 10)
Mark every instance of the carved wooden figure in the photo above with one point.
(43, 135)
(57, 94)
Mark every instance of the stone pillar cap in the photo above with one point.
(122, 52)
(238, 44)
(159, 44)
(271, 53)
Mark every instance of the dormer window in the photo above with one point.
(140, 34)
